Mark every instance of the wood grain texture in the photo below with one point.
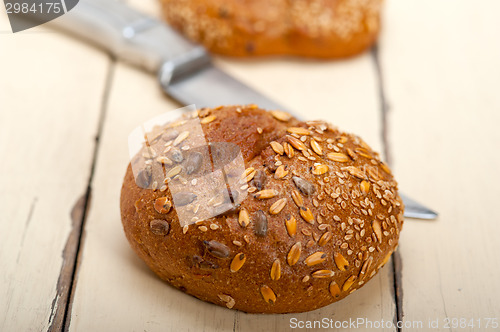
(49, 109)
(116, 291)
(441, 65)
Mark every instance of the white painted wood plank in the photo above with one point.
(115, 290)
(49, 107)
(441, 62)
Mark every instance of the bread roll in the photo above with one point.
(311, 28)
(260, 212)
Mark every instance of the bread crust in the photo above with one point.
(310, 28)
(338, 180)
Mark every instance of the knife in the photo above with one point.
(185, 69)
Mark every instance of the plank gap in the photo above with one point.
(397, 261)
(62, 319)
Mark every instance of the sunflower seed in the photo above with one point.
(334, 289)
(304, 186)
(184, 198)
(340, 261)
(280, 115)
(268, 294)
(315, 259)
(291, 225)
(259, 179)
(238, 262)
(298, 131)
(276, 270)
(244, 218)
(193, 162)
(277, 206)
(322, 274)
(266, 193)
(338, 157)
(217, 249)
(159, 227)
(296, 143)
(294, 254)
(277, 147)
(260, 222)
(162, 205)
(176, 155)
(143, 178)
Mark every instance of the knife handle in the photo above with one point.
(128, 34)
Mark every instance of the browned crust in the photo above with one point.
(364, 226)
(311, 28)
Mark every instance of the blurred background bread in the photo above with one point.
(310, 28)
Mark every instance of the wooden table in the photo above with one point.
(428, 98)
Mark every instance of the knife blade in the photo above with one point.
(185, 70)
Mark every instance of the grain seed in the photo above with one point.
(377, 230)
(208, 119)
(340, 261)
(298, 131)
(164, 160)
(268, 294)
(356, 172)
(316, 147)
(334, 289)
(365, 187)
(294, 254)
(238, 262)
(174, 171)
(338, 157)
(327, 236)
(243, 218)
(266, 194)
(322, 274)
(307, 214)
(277, 147)
(277, 206)
(291, 226)
(297, 198)
(288, 150)
(182, 136)
(281, 116)
(315, 259)
(320, 169)
(276, 270)
(281, 172)
(348, 283)
(296, 143)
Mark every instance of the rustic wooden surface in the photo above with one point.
(427, 98)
